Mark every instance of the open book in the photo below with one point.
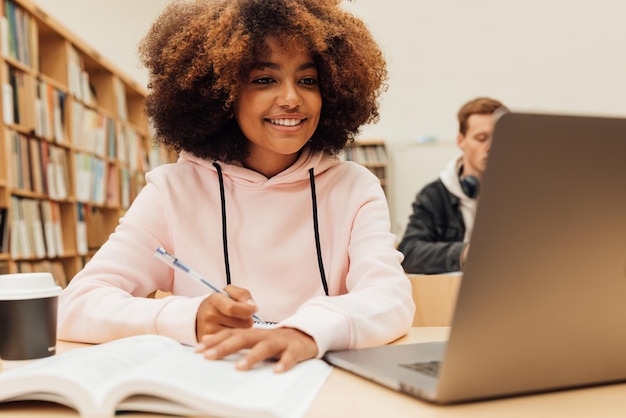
(152, 373)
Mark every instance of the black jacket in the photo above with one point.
(433, 240)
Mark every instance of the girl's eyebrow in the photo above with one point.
(274, 66)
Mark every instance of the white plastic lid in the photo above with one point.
(28, 286)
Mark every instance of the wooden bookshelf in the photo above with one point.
(75, 145)
(370, 153)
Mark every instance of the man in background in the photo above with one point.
(437, 236)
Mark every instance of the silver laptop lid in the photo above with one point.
(542, 303)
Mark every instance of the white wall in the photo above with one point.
(562, 56)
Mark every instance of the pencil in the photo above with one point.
(175, 263)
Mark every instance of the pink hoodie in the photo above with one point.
(272, 253)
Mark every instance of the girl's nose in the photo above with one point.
(288, 96)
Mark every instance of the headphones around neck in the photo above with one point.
(470, 186)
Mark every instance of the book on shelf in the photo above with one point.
(120, 96)
(57, 227)
(4, 36)
(58, 116)
(53, 234)
(20, 244)
(36, 166)
(4, 229)
(23, 162)
(84, 176)
(152, 373)
(57, 173)
(81, 229)
(113, 186)
(49, 104)
(12, 149)
(7, 104)
(32, 216)
(125, 187)
(36, 229)
(74, 72)
(21, 33)
(23, 87)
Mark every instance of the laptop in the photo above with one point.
(542, 302)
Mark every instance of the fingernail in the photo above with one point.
(210, 353)
(251, 302)
(199, 347)
(279, 368)
(242, 363)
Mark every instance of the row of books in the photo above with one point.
(18, 99)
(36, 229)
(42, 167)
(379, 172)
(50, 107)
(97, 133)
(158, 156)
(38, 106)
(103, 183)
(131, 148)
(38, 166)
(78, 79)
(81, 87)
(34, 105)
(19, 33)
(131, 183)
(366, 154)
(90, 175)
(19, 37)
(93, 131)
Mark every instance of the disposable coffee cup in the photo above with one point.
(28, 316)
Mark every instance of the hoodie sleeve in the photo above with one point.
(377, 305)
(107, 299)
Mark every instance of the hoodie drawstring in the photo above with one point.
(224, 232)
(315, 226)
(316, 229)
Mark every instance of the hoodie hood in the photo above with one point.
(297, 172)
(450, 179)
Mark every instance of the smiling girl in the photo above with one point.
(258, 97)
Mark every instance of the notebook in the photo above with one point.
(542, 302)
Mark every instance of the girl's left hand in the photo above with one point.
(288, 345)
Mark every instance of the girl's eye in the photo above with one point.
(309, 81)
(262, 80)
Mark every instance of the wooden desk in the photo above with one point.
(346, 395)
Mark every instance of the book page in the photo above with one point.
(215, 387)
(83, 375)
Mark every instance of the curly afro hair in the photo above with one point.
(198, 53)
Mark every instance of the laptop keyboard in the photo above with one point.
(430, 368)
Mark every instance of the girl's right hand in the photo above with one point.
(218, 311)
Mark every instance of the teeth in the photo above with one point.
(286, 122)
